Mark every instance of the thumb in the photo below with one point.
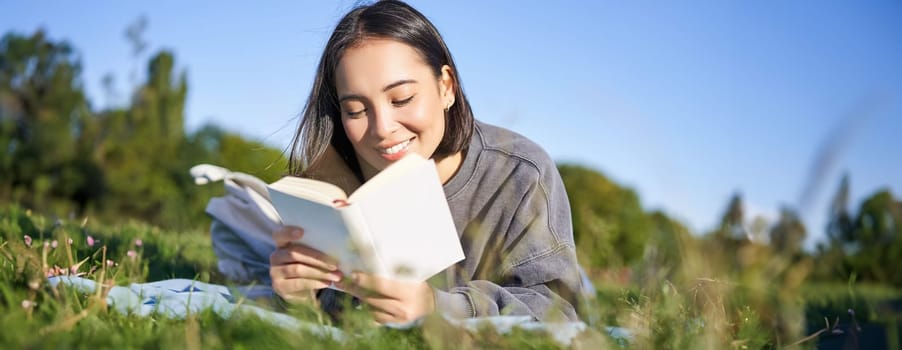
(286, 235)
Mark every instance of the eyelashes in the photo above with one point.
(403, 102)
(399, 103)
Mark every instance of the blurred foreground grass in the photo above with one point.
(697, 304)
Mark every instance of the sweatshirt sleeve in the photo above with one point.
(533, 268)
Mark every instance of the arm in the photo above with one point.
(531, 268)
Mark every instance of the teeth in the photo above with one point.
(396, 148)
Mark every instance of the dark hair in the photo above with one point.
(321, 123)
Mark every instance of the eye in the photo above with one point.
(355, 114)
(353, 109)
(403, 102)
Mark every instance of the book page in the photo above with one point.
(408, 217)
(323, 225)
(318, 191)
(400, 169)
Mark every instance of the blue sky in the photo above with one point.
(685, 103)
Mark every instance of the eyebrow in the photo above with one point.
(385, 89)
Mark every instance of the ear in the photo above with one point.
(447, 84)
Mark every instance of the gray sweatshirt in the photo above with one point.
(511, 211)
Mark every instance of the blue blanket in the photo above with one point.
(177, 298)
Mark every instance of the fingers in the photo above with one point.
(301, 271)
(383, 317)
(298, 253)
(286, 235)
(387, 306)
(297, 290)
(383, 309)
(297, 282)
(355, 290)
(297, 270)
(386, 310)
(372, 285)
(298, 285)
(391, 300)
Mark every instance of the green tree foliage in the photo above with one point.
(211, 144)
(732, 226)
(43, 119)
(840, 222)
(875, 241)
(669, 243)
(142, 150)
(59, 156)
(868, 244)
(788, 234)
(232, 151)
(831, 254)
(731, 234)
(609, 224)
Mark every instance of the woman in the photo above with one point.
(387, 86)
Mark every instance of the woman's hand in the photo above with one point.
(391, 301)
(297, 271)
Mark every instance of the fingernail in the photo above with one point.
(335, 277)
(296, 233)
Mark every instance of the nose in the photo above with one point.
(383, 122)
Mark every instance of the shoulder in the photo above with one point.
(502, 145)
(526, 174)
(500, 160)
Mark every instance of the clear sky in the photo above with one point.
(686, 103)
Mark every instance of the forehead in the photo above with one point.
(375, 63)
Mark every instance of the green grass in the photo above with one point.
(691, 306)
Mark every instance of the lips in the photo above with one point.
(396, 151)
(398, 147)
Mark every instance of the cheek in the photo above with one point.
(430, 116)
(355, 129)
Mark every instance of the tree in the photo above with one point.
(43, 118)
(731, 235)
(609, 225)
(870, 246)
(831, 255)
(131, 162)
(876, 239)
(211, 144)
(840, 222)
(140, 152)
(788, 235)
(732, 222)
(669, 246)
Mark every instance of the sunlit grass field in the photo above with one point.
(699, 303)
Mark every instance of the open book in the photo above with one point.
(396, 225)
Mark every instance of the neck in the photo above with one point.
(448, 166)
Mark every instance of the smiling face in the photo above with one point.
(392, 103)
